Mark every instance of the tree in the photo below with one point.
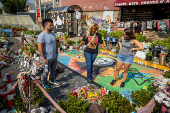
(10, 6)
(1, 10)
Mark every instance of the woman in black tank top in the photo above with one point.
(125, 57)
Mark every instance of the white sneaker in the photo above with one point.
(55, 82)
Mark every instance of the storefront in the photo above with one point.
(143, 10)
(65, 19)
(154, 15)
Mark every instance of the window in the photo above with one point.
(57, 1)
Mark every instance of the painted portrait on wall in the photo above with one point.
(59, 21)
(163, 26)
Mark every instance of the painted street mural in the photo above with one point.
(104, 66)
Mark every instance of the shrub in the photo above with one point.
(149, 54)
(141, 38)
(116, 103)
(71, 43)
(166, 74)
(73, 105)
(142, 97)
(118, 34)
(103, 32)
(18, 103)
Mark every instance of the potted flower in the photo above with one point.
(70, 43)
(148, 56)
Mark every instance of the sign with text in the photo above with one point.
(139, 2)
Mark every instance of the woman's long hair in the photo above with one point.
(130, 33)
(95, 26)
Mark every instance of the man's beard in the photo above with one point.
(49, 30)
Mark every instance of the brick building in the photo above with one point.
(95, 8)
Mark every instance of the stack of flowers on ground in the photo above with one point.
(89, 92)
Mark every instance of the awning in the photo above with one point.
(118, 3)
(66, 8)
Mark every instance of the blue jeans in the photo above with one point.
(52, 63)
(90, 58)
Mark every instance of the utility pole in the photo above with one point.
(18, 7)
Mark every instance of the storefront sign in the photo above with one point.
(147, 2)
(38, 15)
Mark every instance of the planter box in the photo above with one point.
(148, 58)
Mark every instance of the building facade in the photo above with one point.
(44, 6)
(96, 10)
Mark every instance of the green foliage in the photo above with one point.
(66, 37)
(7, 27)
(117, 34)
(31, 32)
(1, 10)
(57, 36)
(149, 54)
(79, 41)
(10, 6)
(141, 97)
(140, 38)
(73, 105)
(116, 103)
(117, 48)
(59, 45)
(3, 104)
(18, 28)
(70, 42)
(38, 95)
(149, 40)
(18, 103)
(166, 74)
(165, 42)
(5, 38)
(152, 88)
(103, 32)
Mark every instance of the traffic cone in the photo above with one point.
(2, 87)
(11, 95)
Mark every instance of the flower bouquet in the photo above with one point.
(89, 93)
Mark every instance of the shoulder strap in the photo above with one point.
(92, 39)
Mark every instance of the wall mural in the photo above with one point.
(59, 21)
(104, 67)
(163, 26)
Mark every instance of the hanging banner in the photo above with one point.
(38, 15)
(108, 17)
